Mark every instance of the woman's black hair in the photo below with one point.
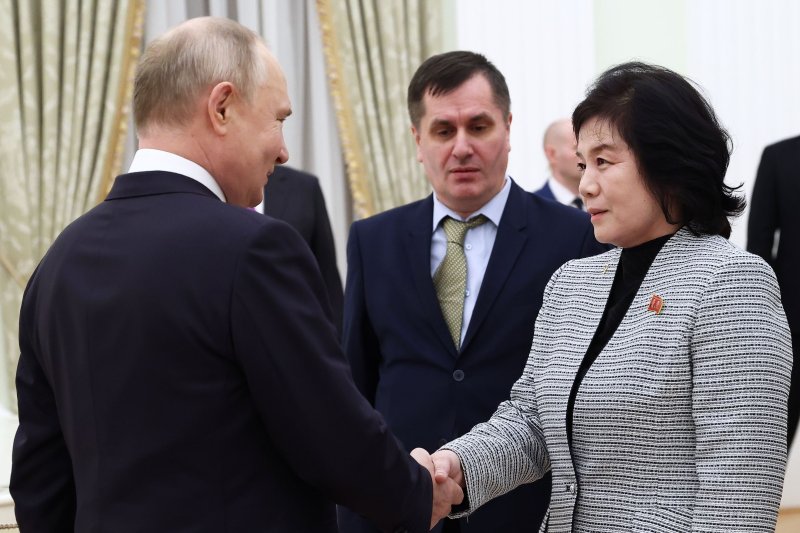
(681, 149)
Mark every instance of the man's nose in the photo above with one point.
(462, 146)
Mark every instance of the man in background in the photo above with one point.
(179, 370)
(559, 148)
(442, 294)
(295, 197)
(773, 208)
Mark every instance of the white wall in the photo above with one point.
(540, 47)
(745, 55)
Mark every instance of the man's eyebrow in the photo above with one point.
(440, 123)
(480, 116)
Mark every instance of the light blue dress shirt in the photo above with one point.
(478, 245)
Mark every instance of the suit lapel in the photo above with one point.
(600, 281)
(418, 247)
(508, 244)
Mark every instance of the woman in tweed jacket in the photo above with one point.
(657, 382)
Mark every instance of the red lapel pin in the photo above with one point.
(656, 304)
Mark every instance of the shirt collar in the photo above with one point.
(148, 159)
(493, 209)
(561, 193)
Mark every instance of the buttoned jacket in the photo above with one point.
(402, 354)
(679, 424)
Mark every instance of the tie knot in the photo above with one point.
(456, 230)
(577, 202)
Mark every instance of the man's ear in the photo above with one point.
(508, 129)
(219, 104)
(549, 152)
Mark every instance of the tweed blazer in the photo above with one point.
(679, 424)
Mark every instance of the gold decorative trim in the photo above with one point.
(134, 29)
(363, 201)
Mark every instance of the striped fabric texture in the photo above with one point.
(680, 423)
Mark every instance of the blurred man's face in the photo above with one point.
(463, 142)
(560, 151)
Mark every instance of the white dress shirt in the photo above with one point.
(562, 194)
(149, 159)
(478, 244)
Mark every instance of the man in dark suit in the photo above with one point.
(179, 370)
(773, 208)
(296, 198)
(432, 373)
(565, 176)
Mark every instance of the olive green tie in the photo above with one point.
(450, 278)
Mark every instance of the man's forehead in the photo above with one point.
(460, 109)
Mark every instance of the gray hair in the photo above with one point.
(175, 68)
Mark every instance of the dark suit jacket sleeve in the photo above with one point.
(42, 479)
(763, 220)
(301, 384)
(590, 246)
(324, 250)
(358, 339)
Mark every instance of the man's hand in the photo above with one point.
(446, 492)
(447, 465)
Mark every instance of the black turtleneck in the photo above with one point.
(631, 270)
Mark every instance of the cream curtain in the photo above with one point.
(372, 48)
(66, 68)
(291, 30)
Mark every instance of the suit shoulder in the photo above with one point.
(232, 224)
(705, 257)
(545, 192)
(396, 216)
(788, 146)
(731, 256)
(551, 210)
(293, 173)
(592, 263)
(293, 179)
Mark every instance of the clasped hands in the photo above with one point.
(447, 477)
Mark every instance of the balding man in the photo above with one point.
(179, 370)
(559, 148)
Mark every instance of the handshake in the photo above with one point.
(447, 477)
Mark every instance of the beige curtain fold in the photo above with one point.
(372, 48)
(66, 71)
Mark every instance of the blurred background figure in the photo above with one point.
(295, 197)
(559, 148)
(775, 215)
